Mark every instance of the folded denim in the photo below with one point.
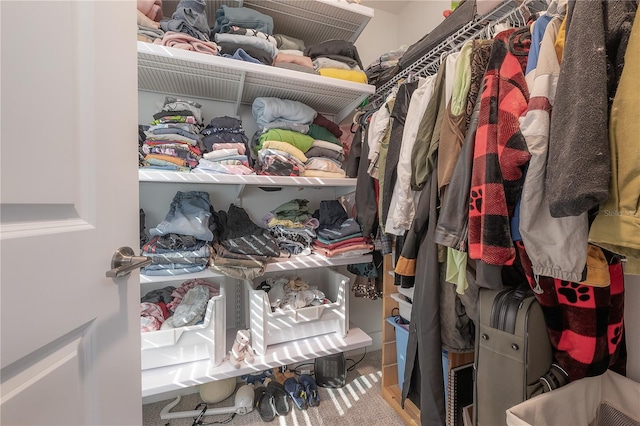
(181, 261)
(173, 242)
(170, 272)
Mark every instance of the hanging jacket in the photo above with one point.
(557, 247)
(617, 225)
(500, 154)
(399, 115)
(579, 156)
(424, 348)
(403, 201)
(453, 223)
(423, 159)
(366, 206)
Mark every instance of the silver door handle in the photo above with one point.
(124, 261)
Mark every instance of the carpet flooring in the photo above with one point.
(359, 402)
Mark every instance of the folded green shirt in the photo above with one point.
(299, 140)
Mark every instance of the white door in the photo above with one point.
(70, 342)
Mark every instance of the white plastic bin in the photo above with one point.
(191, 343)
(606, 400)
(404, 305)
(270, 328)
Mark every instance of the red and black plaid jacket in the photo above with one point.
(500, 154)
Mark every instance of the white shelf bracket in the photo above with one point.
(238, 194)
(240, 92)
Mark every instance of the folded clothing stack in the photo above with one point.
(281, 139)
(293, 227)
(180, 243)
(245, 34)
(326, 154)
(338, 235)
(244, 246)
(337, 59)
(172, 142)
(385, 67)
(189, 18)
(225, 148)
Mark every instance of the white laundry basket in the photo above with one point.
(606, 400)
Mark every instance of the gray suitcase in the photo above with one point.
(512, 353)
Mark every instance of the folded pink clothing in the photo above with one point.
(230, 145)
(304, 61)
(350, 241)
(151, 9)
(355, 250)
(187, 42)
(151, 317)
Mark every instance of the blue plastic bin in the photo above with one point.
(402, 338)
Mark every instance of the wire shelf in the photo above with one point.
(511, 11)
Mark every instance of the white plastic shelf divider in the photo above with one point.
(313, 21)
(281, 265)
(163, 380)
(181, 72)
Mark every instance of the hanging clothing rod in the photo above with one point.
(511, 10)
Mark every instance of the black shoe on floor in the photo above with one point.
(263, 403)
(280, 398)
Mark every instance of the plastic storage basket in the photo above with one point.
(402, 339)
(192, 343)
(270, 328)
(606, 400)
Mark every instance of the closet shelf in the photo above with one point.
(160, 176)
(280, 265)
(181, 72)
(159, 381)
(313, 21)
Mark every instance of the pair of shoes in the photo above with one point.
(270, 401)
(311, 388)
(263, 403)
(297, 392)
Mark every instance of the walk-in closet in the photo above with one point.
(320, 212)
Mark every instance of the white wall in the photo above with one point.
(378, 37)
(632, 325)
(418, 18)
